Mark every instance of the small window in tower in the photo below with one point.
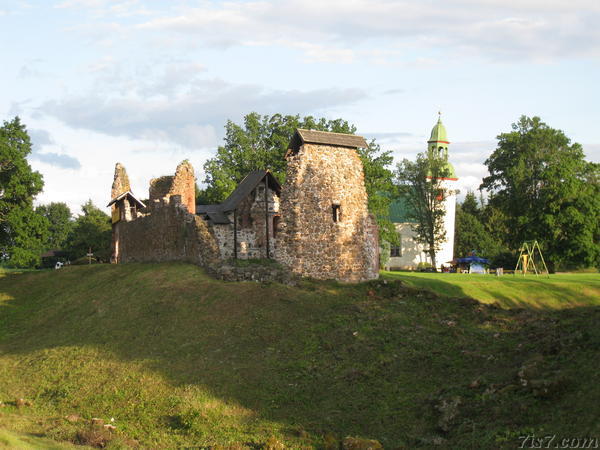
(337, 212)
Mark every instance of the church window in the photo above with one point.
(396, 250)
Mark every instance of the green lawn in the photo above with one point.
(178, 359)
(509, 291)
(31, 442)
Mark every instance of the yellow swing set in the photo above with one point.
(530, 253)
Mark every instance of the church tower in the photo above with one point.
(438, 145)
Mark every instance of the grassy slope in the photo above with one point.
(557, 291)
(27, 442)
(180, 359)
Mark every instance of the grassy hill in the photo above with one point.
(179, 359)
(509, 291)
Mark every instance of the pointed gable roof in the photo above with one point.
(131, 197)
(218, 213)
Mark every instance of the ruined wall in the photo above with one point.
(120, 181)
(168, 233)
(120, 184)
(183, 184)
(251, 232)
(311, 243)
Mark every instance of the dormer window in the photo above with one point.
(336, 209)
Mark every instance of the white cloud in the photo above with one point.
(40, 139)
(335, 29)
(190, 116)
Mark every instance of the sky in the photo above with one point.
(151, 83)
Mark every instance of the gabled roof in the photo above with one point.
(218, 213)
(125, 194)
(247, 185)
(302, 136)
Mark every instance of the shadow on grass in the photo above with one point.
(364, 360)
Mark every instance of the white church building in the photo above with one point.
(409, 253)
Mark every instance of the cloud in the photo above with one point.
(30, 69)
(107, 8)
(335, 30)
(40, 139)
(57, 160)
(190, 116)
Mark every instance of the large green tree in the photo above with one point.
(261, 142)
(420, 182)
(22, 231)
(475, 230)
(92, 230)
(60, 223)
(547, 191)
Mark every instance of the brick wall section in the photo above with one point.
(310, 243)
(168, 233)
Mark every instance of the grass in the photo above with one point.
(178, 359)
(30, 442)
(510, 291)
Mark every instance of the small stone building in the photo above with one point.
(327, 231)
(246, 224)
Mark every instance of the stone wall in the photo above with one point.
(311, 242)
(168, 233)
(251, 230)
(183, 183)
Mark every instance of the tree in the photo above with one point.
(420, 183)
(60, 223)
(547, 191)
(472, 232)
(261, 143)
(22, 232)
(92, 230)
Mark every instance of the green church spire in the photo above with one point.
(438, 143)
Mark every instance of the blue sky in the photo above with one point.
(150, 83)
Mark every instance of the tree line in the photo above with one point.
(26, 232)
(539, 187)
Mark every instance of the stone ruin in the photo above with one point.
(316, 225)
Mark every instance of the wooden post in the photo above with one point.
(267, 212)
(235, 234)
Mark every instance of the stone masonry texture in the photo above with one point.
(311, 243)
(168, 233)
(183, 184)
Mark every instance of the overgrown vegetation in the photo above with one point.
(179, 359)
